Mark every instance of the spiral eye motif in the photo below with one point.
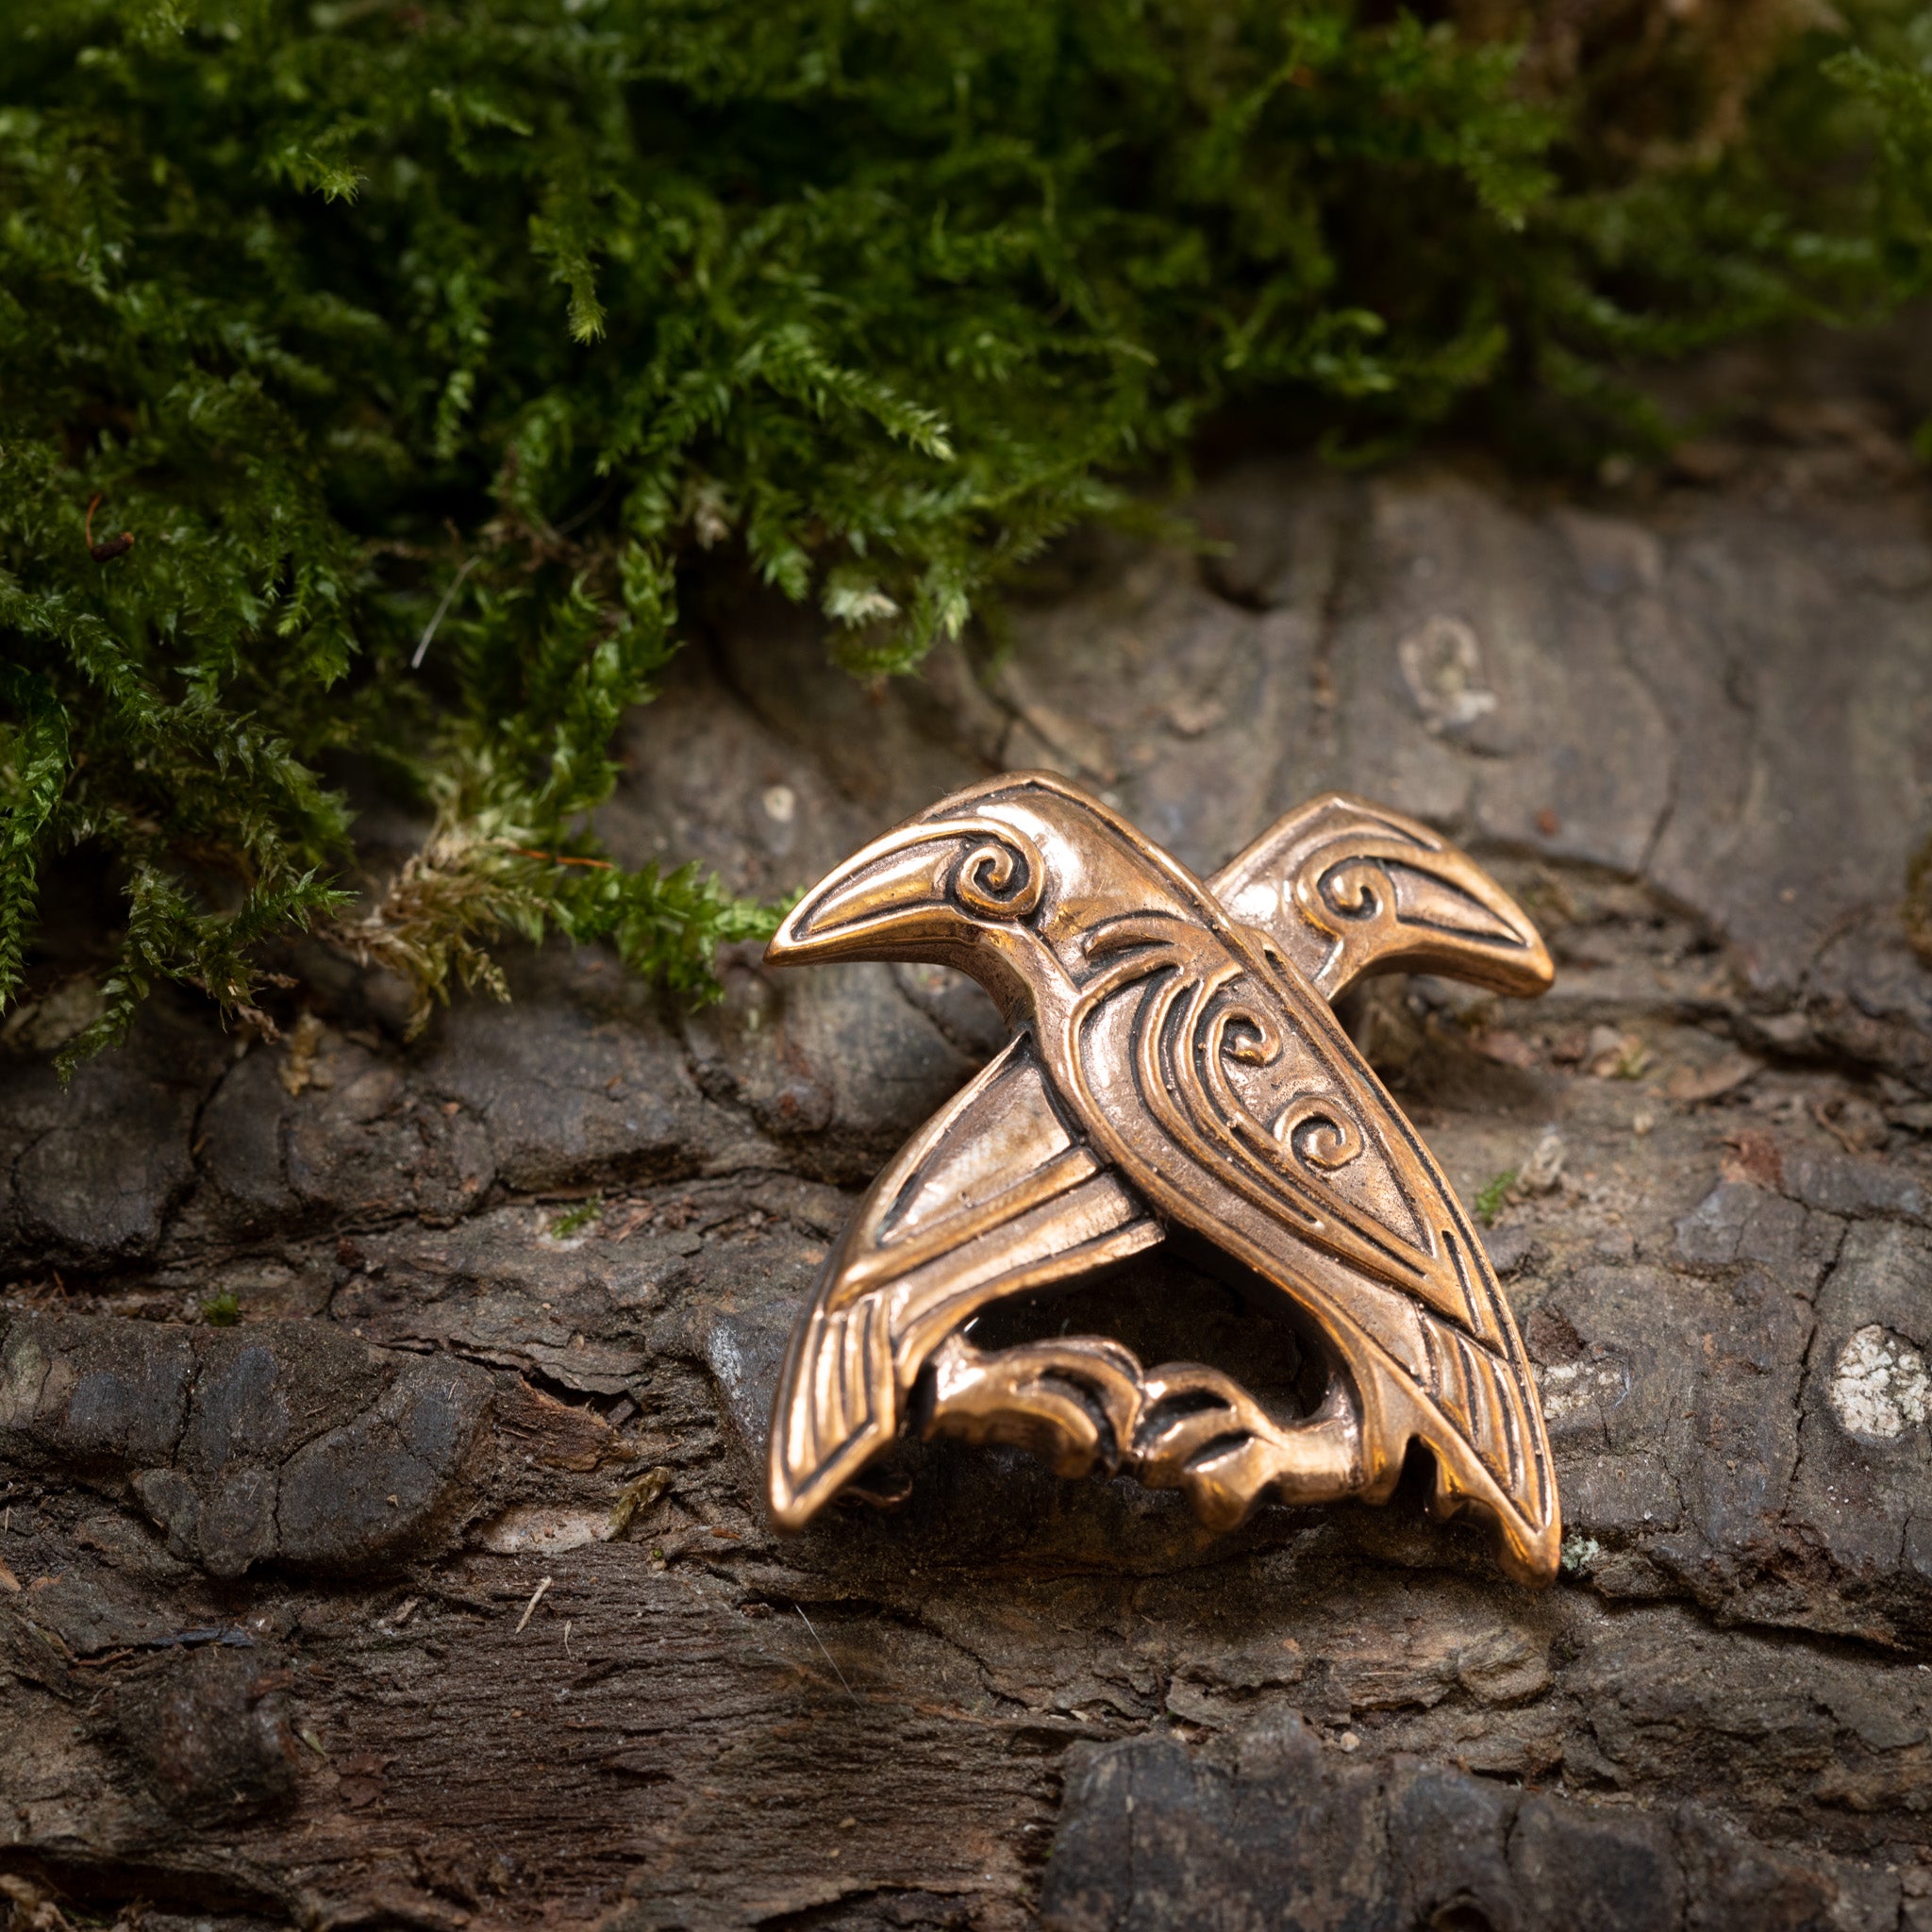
(1000, 879)
(1357, 890)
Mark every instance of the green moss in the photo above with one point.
(573, 1220)
(1490, 1202)
(418, 347)
(222, 1310)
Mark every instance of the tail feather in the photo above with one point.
(1490, 1453)
(837, 1406)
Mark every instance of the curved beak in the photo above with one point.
(1464, 926)
(887, 901)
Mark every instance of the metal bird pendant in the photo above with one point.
(1175, 1067)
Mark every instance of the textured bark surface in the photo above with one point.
(435, 1592)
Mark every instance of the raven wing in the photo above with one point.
(998, 1194)
(1249, 1118)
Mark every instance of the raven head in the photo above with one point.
(1009, 881)
(955, 886)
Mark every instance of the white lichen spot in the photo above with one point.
(1879, 1385)
(539, 1530)
(1573, 1388)
(1441, 663)
(780, 801)
(1580, 1552)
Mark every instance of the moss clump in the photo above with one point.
(574, 1220)
(1494, 1196)
(417, 346)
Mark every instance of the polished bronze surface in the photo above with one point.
(1174, 1065)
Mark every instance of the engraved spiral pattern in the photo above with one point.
(1357, 888)
(1000, 879)
(1318, 1132)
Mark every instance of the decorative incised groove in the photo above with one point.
(1176, 1063)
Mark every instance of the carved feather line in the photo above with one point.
(893, 1257)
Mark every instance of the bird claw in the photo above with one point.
(1204, 1435)
(1070, 1403)
(1083, 1402)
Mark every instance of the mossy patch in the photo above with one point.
(370, 373)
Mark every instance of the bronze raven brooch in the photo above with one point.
(1175, 1066)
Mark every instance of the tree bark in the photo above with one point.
(436, 1589)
